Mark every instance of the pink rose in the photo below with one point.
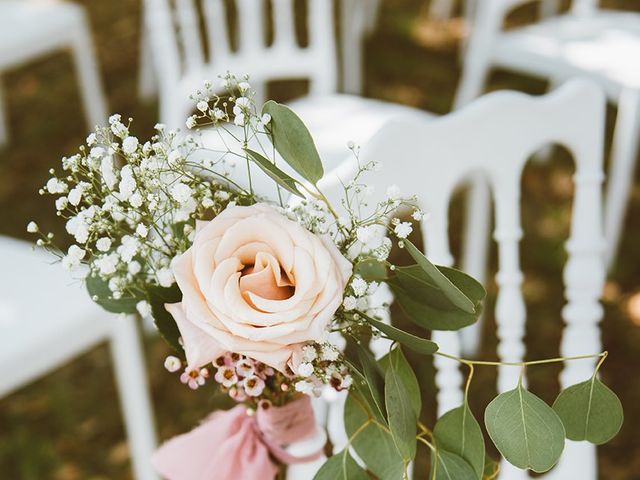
(256, 283)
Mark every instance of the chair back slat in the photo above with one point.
(178, 51)
(495, 136)
(284, 24)
(215, 17)
(251, 26)
(189, 31)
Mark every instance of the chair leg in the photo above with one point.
(476, 251)
(89, 76)
(130, 371)
(4, 125)
(623, 158)
(147, 82)
(544, 154)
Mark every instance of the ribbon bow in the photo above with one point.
(231, 445)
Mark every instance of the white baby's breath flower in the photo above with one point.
(181, 192)
(417, 215)
(134, 267)
(202, 106)
(103, 244)
(207, 202)
(61, 203)
(107, 264)
(191, 122)
(308, 353)
(135, 200)
(403, 229)
(32, 227)
(172, 364)
(221, 195)
(142, 230)
(239, 120)
(265, 119)
(218, 114)
(56, 186)
(128, 248)
(73, 257)
(305, 369)
(244, 86)
(114, 118)
(349, 303)
(165, 277)
(359, 286)
(130, 145)
(143, 308)
(304, 387)
(329, 353)
(91, 139)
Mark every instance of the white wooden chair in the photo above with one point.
(181, 65)
(494, 137)
(30, 29)
(603, 45)
(47, 319)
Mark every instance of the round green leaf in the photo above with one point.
(400, 411)
(293, 141)
(449, 466)
(100, 293)
(373, 445)
(457, 431)
(407, 377)
(590, 411)
(341, 467)
(417, 344)
(526, 431)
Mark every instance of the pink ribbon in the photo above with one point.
(231, 445)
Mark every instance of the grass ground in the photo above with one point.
(67, 426)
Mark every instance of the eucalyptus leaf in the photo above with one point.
(427, 316)
(526, 431)
(371, 270)
(374, 378)
(418, 344)
(277, 175)
(373, 444)
(400, 411)
(451, 292)
(341, 466)
(457, 431)
(449, 466)
(100, 293)
(590, 411)
(407, 377)
(164, 322)
(293, 141)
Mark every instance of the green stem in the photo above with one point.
(464, 361)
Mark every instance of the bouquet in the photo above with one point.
(275, 300)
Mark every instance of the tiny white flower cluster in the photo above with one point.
(131, 207)
(321, 365)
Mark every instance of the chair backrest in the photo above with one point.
(174, 29)
(495, 136)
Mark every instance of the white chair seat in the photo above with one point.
(31, 28)
(334, 120)
(604, 45)
(42, 309)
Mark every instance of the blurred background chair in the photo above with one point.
(603, 45)
(501, 131)
(45, 321)
(30, 29)
(181, 64)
